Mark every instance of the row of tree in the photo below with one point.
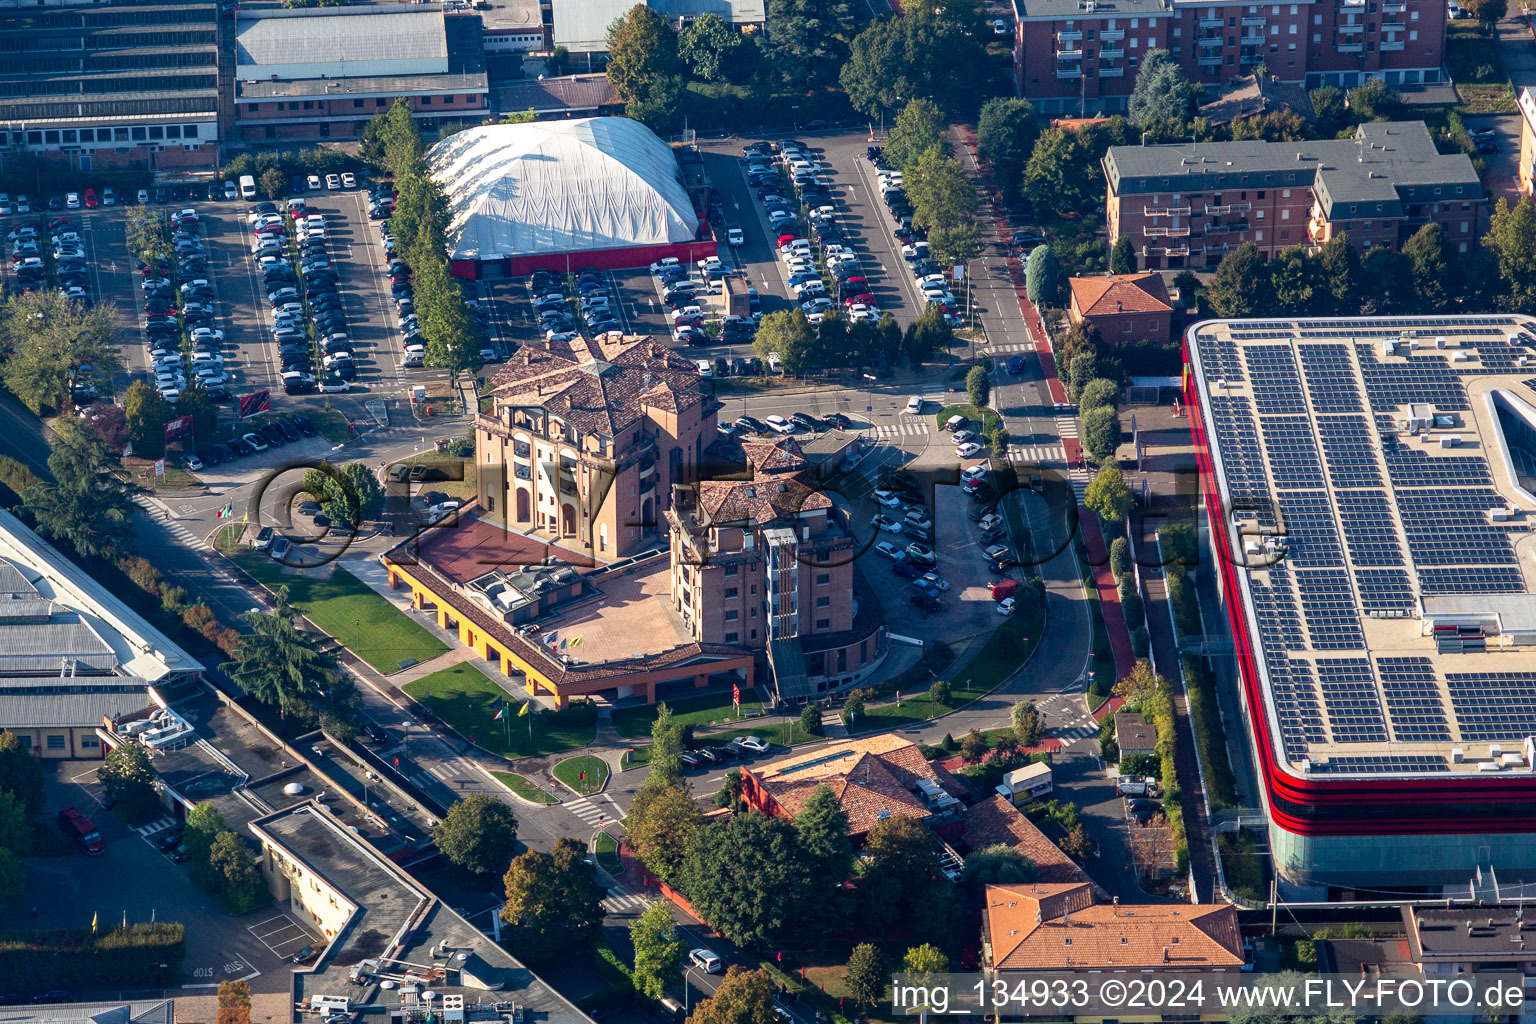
(942, 195)
(836, 344)
(51, 342)
(21, 799)
(419, 225)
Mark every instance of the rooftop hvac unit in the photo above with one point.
(1450, 441)
(1457, 755)
(1440, 342)
(1489, 766)
(1389, 347)
(1461, 355)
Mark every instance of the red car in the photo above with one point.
(1002, 588)
(91, 201)
(57, 223)
(854, 300)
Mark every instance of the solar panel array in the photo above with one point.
(1310, 448)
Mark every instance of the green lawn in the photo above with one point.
(773, 730)
(986, 417)
(583, 773)
(525, 788)
(919, 707)
(608, 854)
(709, 709)
(462, 696)
(333, 426)
(349, 610)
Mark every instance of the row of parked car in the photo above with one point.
(297, 332)
(188, 310)
(904, 516)
(274, 433)
(552, 305)
(931, 283)
(71, 271)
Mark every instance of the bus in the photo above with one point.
(79, 828)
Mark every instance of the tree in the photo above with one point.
(1429, 259)
(86, 508)
(127, 775)
(241, 884)
(1373, 100)
(1096, 393)
(1298, 288)
(926, 959)
(147, 237)
(729, 794)
(666, 750)
(1101, 432)
(865, 974)
(1081, 339)
(197, 403)
(204, 823)
(808, 40)
(810, 719)
(920, 127)
(974, 747)
(978, 388)
(1122, 256)
(1139, 685)
(999, 864)
(926, 335)
(13, 877)
(21, 773)
(478, 834)
(853, 707)
(939, 692)
(661, 838)
(1028, 725)
(1511, 238)
(787, 335)
(15, 826)
(821, 829)
(234, 1003)
(356, 497)
(744, 997)
(831, 344)
(1240, 286)
(643, 66)
(1120, 558)
(271, 183)
(901, 863)
(553, 899)
(921, 52)
(451, 330)
(955, 245)
(744, 875)
(147, 413)
(708, 45)
(1328, 106)
(1006, 131)
(1338, 263)
(1059, 174)
(1107, 496)
(1042, 276)
(279, 665)
(1487, 11)
(1187, 285)
(1161, 92)
(658, 950)
(50, 338)
(1387, 281)
(942, 196)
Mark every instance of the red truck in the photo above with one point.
(79, 828)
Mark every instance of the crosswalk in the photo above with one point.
(1066, 425)
(158, 825)
(1038, 454)
(1070, 736)
(906, 428)
(623, 900)
(158, 511)
(595, 811)
(1018, 346)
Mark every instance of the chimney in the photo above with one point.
(1165, 954)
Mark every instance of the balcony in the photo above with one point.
(1209, 41)
(1228, 228)
(1174, 232)
(1392, 44)
(1228, 208)
(1069, 54)
(1251, 58)
(1165, 211)
(1351, 47)
(1211, 23)
(1065, 36)
(1109, 53)
(521, 449)
(1394, 8)
(1257, 40)
(1069, 72)
(1253, 21)
(1176, 250)
(1110, 35)
(1209, 62)
(1350, 28)
(522, 472)
(1117, 72)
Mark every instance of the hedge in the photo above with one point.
(73, 958)
(1160, 711)
(1210, 737)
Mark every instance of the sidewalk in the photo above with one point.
(1109, 595)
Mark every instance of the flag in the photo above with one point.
(93, 924)
(565, 643)
(500, 713)
(226, 511)
(524, 709)
(736, 696)
(575, 641)
(550, 638)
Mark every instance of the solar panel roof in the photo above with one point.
(1364, 466)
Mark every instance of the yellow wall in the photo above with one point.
(308, 895)
(76, 742)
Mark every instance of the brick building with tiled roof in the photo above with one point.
(1057, 926)
(1124, 307)
(996, 821)
(873, 778)
(586, 439)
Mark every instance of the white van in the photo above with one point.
(247, 186)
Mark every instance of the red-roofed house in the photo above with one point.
(1124, 307)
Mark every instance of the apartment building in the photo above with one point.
(1079, 57)
(1188, 205)
(587, 439)
(110, 86)
(765, 561)
(323, 73)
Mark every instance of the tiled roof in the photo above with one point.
(772, 493)
(996, 820)
(1054, 927)
(599, 386)
(867, 776)
(1120, 293)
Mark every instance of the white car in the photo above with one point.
(333, 182)
(976, 472)
(5, 204)
(734, 236)
(72, 200)
(334, 385)
(888, 499)
(206, 336)
(934, 580)
(1005, 606)
(664, 263)
(349, 180)
(24, 205)
(108, 197)
(201, 358)
(779, 425)
(887, 524)
(162, 362)
(231, 190)
(890, 551)
(809, 288)
(969, 450)
(820, 305)
(702, 957)
(914, 405)
(756, 744)
(859, 311)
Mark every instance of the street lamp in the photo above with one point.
(869, 408)
(685, 987)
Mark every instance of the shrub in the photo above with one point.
(939, 692)
(1141, 643)
(1120, 558)
(810, 719)
(173, 599)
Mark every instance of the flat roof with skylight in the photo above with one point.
(1377, 486)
